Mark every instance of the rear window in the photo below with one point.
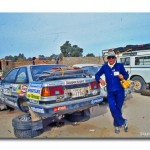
(92, 69)
(37, 70)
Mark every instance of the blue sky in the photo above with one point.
(36, 34)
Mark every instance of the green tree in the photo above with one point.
(90, 55)
(29, 58)
(10, 57)
(15, 58)
(71, 51)
(42, 57)
(21, 57)
(53, 56)
(66, 49)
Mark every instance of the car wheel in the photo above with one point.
(139, 84)
(22, 104)
(25, 127)
(27, 133)
(79, 116)
(25, 122)
(145, 92)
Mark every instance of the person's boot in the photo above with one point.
(117, 130)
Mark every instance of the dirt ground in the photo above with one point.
(135, 109)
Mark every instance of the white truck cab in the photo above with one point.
(137, 63)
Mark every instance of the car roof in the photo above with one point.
(42, 65)
(84, 65)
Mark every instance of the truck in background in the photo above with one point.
(136, 59)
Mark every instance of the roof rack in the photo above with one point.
(129, 48)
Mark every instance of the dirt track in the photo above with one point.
(135, 109)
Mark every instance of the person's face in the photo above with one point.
(111, 59)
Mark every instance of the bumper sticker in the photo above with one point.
(34, 91)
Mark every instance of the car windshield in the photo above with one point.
(37, 70)
(92, 69)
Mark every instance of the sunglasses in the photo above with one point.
(111, 57)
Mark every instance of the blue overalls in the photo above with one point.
(115, 91)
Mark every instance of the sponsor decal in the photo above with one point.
(34, 91)
(61, 108)
(36, 84)
(7, 91)
(37, 91)
(33, 96)
(16, 88)
(33, 101)
(74, 82)
(96, 100)
(24, 88)
(39, 110)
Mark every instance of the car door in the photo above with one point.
(21, 82)
(6, 86)
(15, 85)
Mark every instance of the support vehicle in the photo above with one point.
(136, 59)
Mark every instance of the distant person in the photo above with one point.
(57, 60)
(33, 60)
(114, 72)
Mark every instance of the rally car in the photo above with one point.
(49, 91)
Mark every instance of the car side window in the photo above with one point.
(22, 76)
(137, 61)
(125, 61)
(11, 76)
(145, 60)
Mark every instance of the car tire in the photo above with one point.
(139, 84)
(25, 122)
(27, 133)
(24, 127)
(79, 116)
(145, 92)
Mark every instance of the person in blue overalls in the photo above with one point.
(114, 72)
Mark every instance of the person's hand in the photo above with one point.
(120, 76)
(102, 82)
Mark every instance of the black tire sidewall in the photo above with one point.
(26, 125)
(79, 116)
(145, 92)
(27, 133)
(141, 80)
